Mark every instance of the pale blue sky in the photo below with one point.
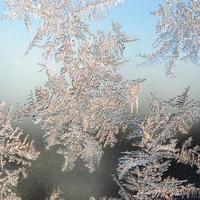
(19, 75)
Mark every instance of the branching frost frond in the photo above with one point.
(60, 23)
(16, 152)
(84, 106)
(140, 172)
(80, 117)
(56, 195)
(178, 31)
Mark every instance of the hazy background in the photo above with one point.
(19, 74)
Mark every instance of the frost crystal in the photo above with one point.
(178, 31)
(60, 21)
(56, 195)
(86, 105)
(82, 113)
(16, 152)
(140, 173)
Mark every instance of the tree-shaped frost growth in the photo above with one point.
(56, 195)
(16, 153)
(178, 34)
(84, 106)
(141, 172)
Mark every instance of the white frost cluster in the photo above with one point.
(178, 34)
(56, 195)
(16, 152)
(84, 106)
(87, 103)
(140, 172)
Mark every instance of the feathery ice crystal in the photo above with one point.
(87, 104)
(178, 31)
(56, 195)
(83, 107)
(140, 172)
(16, 153)
(62, 23)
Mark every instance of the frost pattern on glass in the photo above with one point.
(60, 21)
(140, 172)
(56, 195)
(178, 34)
(82, 114)
(16, 153)
(84, 106)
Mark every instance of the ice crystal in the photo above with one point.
(56, 195)
(83, 116)
(178, 34)
(61, 22)
(140, 172)
(86, 105)
(16, 152)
